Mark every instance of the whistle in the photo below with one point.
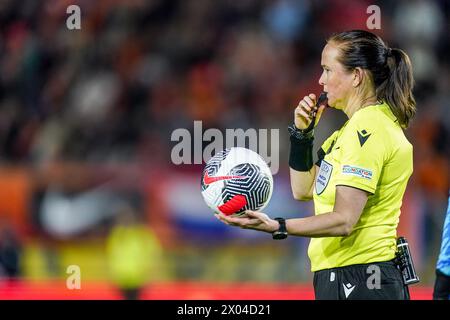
(322, 98)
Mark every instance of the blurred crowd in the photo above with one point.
(112, 92)
(115, 90)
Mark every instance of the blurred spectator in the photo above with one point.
(286, 19)
(10, 252)
(133, 252)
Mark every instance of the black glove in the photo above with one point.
(441, 286)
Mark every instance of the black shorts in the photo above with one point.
(373, 281)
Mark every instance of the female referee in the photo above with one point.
(359, 180)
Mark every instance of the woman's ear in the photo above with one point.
(358, 75)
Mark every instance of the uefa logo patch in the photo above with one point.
(356, 171)
(323, 177)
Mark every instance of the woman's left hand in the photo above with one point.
(251, 220)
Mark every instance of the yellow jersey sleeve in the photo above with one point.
(363, 153)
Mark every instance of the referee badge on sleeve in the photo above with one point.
(323, 177)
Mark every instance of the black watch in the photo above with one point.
(300, 134)
(281, 233)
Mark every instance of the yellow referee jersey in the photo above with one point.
(370, 152)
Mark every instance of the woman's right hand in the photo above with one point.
(303, 114)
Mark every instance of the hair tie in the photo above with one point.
(389, 52)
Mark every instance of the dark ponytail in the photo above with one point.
(396, 90)
(390, 69)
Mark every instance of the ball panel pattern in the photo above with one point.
(255, 186)
(213, 166)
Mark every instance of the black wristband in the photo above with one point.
(301, 152)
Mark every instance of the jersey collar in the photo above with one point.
(383, 107)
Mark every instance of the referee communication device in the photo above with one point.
(405, 263)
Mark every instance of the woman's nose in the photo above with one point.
(321, 79)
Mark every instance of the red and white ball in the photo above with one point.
(235, 180)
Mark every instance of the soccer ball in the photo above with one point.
(235, 180)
